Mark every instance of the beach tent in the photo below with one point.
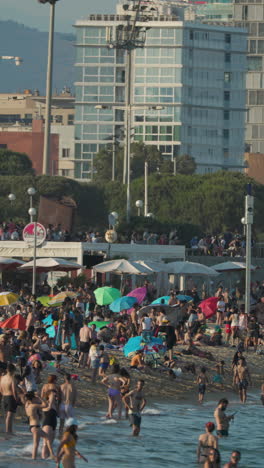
(190, 268)
(154, 267)
(7, 264)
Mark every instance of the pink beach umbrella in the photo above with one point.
(208, 306)
(139, 294)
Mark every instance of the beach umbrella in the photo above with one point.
(48, 320)
(16, 322)
(231, 266)
(154, 267)
(162, 300)
(146, 309)
(155, 345)
(51, 264)
(106, 295)
(99, 324)
(183, 297)
(7, 264)
(139, 294)
(121, 267)
(208, 306)
(44, 300)
(8, 298)
(190, 268)
(123, 303)
(60, 297)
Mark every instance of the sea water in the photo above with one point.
(168, 438)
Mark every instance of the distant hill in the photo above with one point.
(31, 44)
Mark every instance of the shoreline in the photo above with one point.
(159, 387)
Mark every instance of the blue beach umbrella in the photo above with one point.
(162, 300)
(182, 297)
(137, 342)
(123, 303)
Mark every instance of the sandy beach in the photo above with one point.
(159, 386)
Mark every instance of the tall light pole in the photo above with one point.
(146, 189)
(32, 213)
(46, 149)
(31, 192)
(248, 221)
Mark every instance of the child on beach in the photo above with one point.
(218, 377)
(104, 361)
(202, 380)
(94, 360)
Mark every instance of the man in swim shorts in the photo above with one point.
(135, 402)
(9, 393)
(243, 378)
(222, 420)
(85, 339)
(69, 396)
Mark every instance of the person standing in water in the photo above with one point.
(69, 397)
(206, 442)
(234, 459)
(67, 448)
(202, 380)
(135, 402)
(114, 382)
(222, 420)
(33, 407)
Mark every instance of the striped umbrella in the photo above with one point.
(60, 298)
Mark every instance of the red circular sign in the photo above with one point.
(29, 233)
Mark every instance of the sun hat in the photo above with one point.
(71, 422)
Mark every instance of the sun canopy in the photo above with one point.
(190, 268)
(231, 266)
(51, 264)
(7, 264)
(122, 266)
(155, 267)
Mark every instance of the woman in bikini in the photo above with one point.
(114, 382)
(49, 421)
(206, 442)
(67, 447)
(33, 407)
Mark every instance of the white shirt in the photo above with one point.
(146, 323)
(221, 306)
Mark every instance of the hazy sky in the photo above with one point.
(32, 13)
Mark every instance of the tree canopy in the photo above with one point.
(14, 163)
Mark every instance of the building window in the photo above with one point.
(225, 152)
(3, 146)
(227, 57)
(228, 38)
(227, 96)
(65, 152)
(226, 133)
(227, 77)
(58, 118)
(65, 172)
(226, 115)
(191, 35)
(71, 119)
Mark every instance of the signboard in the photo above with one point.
(28, 233)
(110, 236)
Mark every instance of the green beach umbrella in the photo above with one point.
(44, 300)
(98, 325)
(106, 295)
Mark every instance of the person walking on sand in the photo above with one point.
(69, 397)
(222, 420)
(85, 339)
(67, 448)
(242, 377)
(202, 380)
(135, 402)
(206, 442)
(33, 407)
(234, 459)
(9, 393)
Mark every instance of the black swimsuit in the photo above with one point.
(50, 418)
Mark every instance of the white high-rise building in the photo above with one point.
(193, 72)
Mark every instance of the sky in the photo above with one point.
(34, 14)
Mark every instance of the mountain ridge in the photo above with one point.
(31, 45)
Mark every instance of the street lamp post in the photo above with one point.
(248, 221)
(32, 213)
(146, 189)
(46, 148)
(31, 192)
(139, 205)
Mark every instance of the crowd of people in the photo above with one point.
(227, 244)
(26, 355)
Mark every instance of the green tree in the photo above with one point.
(185, 164)
(14, 163)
